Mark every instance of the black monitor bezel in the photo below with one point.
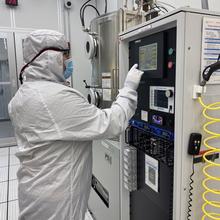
(134, 54)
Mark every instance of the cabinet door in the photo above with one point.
(104, 201)
(8, 82)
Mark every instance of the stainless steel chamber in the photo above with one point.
(102, 48)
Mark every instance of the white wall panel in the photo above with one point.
(37, 14)
(177, 3)
(112, 5)
(82, 66)
(5, 19)
(214, 5)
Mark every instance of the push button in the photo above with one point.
(171, 51)
(170, 65)
(169, 93)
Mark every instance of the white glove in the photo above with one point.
(133, 77)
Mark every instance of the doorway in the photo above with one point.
(11, 60)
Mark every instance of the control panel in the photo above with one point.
(151, 130)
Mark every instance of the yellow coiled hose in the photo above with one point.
(211, 207)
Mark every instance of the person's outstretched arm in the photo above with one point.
(78, 120)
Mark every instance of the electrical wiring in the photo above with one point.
(163, 8)
(190, 192)
(83, 12)
(152, 8)
(155, 7)
(83, 7)
(160, 8)
(209, 70)
(92, 6)
(86, 5)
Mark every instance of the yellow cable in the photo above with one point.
(209, 191)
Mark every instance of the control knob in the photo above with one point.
(169, 93)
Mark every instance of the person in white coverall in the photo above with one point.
(54, 127)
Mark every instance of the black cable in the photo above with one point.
(92, 7)
(83, 21)
(190, 192)
(161, 7)
(152, 8)
(106, 6)
(82, 8)
(156, 6)
(209, 70)
(164, 10)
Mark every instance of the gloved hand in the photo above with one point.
(133, 77)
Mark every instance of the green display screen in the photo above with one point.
(148, 57)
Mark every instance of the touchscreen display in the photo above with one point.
(148, 57)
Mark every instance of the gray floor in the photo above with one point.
(6, 130)
(8, 184)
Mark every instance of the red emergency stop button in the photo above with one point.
(170, 65)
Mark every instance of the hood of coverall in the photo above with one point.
(49, 65)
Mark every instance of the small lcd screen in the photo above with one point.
(148, 57)
(160, 99)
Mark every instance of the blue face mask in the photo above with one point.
(69, 68)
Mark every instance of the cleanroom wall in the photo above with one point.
(82, 65)
(31, 14)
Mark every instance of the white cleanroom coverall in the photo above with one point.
(54, 127)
